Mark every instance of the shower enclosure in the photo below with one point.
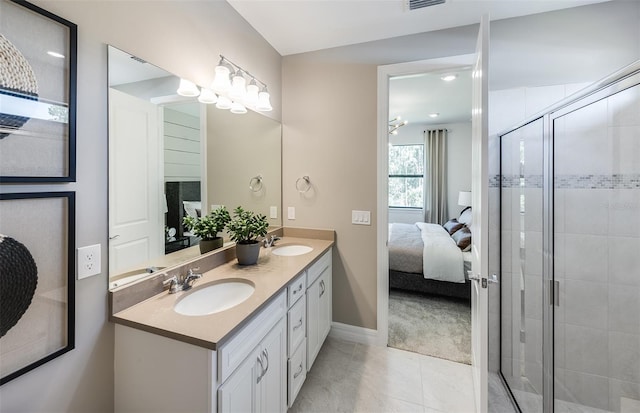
(570, 252)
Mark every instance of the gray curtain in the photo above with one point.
(436, 176)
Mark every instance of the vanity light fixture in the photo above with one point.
(238, 108)
(221, 82)
(238, 86)
(264, 105)
(188, 88)
(434, 115)
(395, 124)
(251, 98)
(449, 77)
(231, 92)
(207, 96)
(224, 102)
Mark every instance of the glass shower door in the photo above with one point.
(597, 253)
(521, 194)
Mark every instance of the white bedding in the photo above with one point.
(442, 259)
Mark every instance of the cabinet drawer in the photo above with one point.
(319, 267)
(297, 370)
(234, 351)
(297, 325)
(296, 289)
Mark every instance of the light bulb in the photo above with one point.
(238, 86)
(251, 98)
(221, 82)
(188, 88)
(207, 96)
(238, 108)
(264, 104)
(223, 102)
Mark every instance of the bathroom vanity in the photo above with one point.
(251, 357)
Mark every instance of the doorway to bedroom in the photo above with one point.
(429, 178)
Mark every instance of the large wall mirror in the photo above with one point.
(171, 156)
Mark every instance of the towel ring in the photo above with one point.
(255, 183)
(303, 184)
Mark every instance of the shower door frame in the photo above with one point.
(619, 81)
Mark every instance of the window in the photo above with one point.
(406, 176)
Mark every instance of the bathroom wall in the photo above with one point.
(183, 37)
(329, 116)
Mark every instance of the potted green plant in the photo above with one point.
(208, 227)
(244, 228)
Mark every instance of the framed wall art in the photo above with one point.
(38, 59)
(37, 279)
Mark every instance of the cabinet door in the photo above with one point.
(271, 392)
(238, 393)
(313, 325)
(324, 305)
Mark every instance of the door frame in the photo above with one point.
(384, 73)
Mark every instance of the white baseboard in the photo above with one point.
(355, 334)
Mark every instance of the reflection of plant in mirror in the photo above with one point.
(208, 226)
(246, 226)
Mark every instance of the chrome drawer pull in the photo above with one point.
(298, 290)
(298, 326)
(323, 288)
(297, 373)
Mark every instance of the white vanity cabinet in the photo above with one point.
(259, 384)
(319, 303)
(296, 337)
(248, 372)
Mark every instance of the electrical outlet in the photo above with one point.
(89, 262)
(291, 213)
(273, 212)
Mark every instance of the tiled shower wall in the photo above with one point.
(597, 253)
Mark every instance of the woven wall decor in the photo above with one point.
(18, 281)
(16, 79)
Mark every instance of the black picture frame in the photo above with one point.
(38, 223)
(38, 122)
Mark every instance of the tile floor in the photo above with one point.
(350, 377)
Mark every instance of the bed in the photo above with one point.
(431, 258)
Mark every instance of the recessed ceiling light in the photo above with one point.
(55, 54)
(449, 78)
(434, 115)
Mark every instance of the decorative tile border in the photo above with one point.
(614, 181)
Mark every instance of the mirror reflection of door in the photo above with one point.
(135, 224)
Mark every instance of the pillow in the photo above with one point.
(462, 237)
(465, 216)
(191, 207)
(452, 226)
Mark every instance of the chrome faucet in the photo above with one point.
(187, 282)
(270, 241)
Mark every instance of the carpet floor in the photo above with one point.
(430, 325)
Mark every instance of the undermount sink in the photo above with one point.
(291, 250)
(213, 298)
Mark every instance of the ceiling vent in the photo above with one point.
(418, 4)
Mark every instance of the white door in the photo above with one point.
(480, 225)
(135, 181)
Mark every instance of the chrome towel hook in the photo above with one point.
(303, 184)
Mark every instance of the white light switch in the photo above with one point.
(89, 262)
(361, 217)
(273, 212)
(291, 213)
